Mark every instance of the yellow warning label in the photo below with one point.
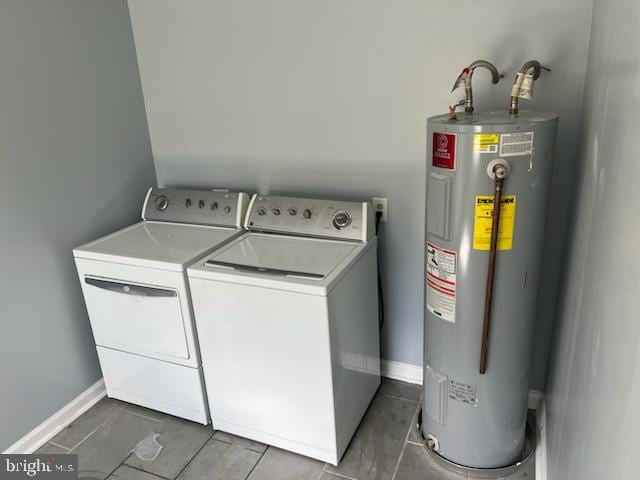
(484, 220)
(486, 138)
(486, 142)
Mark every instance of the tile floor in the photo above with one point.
(385, 447)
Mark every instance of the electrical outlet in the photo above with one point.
(380, 205)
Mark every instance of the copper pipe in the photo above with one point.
(488, 299)
(453, 115)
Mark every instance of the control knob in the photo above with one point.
(162, 203)
(276, 211)
(201, 204)
(187, 202)
(341, 219)
(293, 212)
(306, 213)
(214, 206)
(261, 211)
(227, 209)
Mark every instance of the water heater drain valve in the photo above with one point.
(432, 443)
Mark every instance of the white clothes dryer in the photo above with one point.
(287, 316)
(137, 297)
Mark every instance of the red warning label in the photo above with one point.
(444, 150)
(441, 282)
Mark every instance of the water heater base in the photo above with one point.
(527, 453)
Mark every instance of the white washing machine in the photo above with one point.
(287, 316)
(137, 296)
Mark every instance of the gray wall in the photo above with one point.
(75, 161)
(331, 98)
(594, 385)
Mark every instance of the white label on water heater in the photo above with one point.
(441, 282)
(463, 392)
(515, 144)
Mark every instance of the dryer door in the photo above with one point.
(137, 310)
(135, 318)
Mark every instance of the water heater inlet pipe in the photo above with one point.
(467, 75)
(500, 172)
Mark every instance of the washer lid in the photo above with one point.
(293, 256)
(157, 244)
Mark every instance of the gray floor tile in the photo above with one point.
(221, 461)
(243, 442)
(105, 449)
(88, 422)
(146, 412)
(414, 433)
(123, 472)
(417, 464)
(278, 464)
(330, 476)
(106, 435)
(396, 388)
(49, 448)
(376, 446)
(181, 440)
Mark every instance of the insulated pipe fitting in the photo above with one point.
(523, 83)
(466, 76)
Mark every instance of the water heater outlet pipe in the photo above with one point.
(524, 76)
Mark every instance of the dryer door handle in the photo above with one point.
(129, 289)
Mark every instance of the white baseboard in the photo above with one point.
(401, 371)
(541, 441)
(48, 429)
(413, 374)
(535, 399)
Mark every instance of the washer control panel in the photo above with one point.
(311, 217)
(200, 207)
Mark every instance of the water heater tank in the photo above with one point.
(474, 411)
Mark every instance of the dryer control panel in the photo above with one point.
(311, 217)
(200, 207)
